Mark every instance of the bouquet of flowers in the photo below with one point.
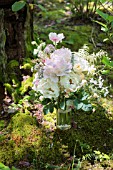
(61, 76)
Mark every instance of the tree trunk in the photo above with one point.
(16, 33)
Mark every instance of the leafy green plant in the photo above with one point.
(18, 5)
(82, 102)
(17, 84)
(85, 148)
(107, 23)
(108, 67)
(96, 156)
(82, 7)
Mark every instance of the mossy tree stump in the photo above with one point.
(16, 32)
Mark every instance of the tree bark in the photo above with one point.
(16, 34)
(3, 58)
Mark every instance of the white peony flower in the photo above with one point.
(48, 89)
(80, 64)
(70, 82)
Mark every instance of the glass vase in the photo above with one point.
(63, 119)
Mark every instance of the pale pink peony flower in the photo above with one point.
(58, 65)
(65, 53)
(56, 38)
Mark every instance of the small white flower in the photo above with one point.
(56, 38)
(83, 82)
(95, 95)
(41, 98)
(92, 81)
(35, 52)
(91, 69)
(33, 43)
(41, 46)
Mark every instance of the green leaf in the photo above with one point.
(87, 107)
(12, 64)
(18, 6)
(46, 101)
(104, 29)
(110, 18)
(51, 107)
(112, 24)
(111, 63)
(46, 110)
(106, 61)
(75, 102)
(103, 15)
(78, 104)
(3, 167)
(102, 1)
(105, 71)
(27, 66)
(42, 8)
(100, 23)
(84, 97)
(105, 39)
(9, 88)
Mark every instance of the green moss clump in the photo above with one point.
(28, 142)
(54, 15)
(7, 152)
(18, 145)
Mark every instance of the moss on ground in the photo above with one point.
(42, 147)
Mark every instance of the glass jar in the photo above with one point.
(63, 119)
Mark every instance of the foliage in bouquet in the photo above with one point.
(61, 76)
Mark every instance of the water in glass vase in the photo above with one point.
(63, 119)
